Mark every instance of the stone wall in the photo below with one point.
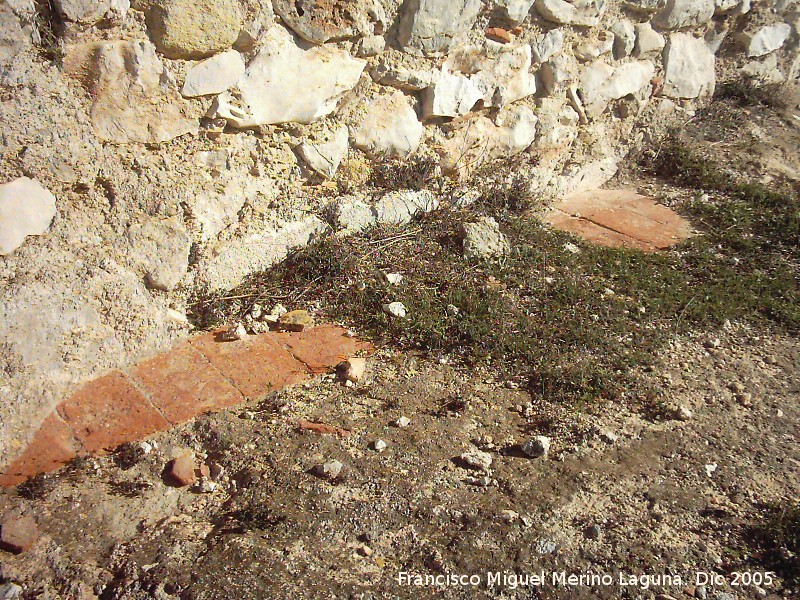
(188, 143)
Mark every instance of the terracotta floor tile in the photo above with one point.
(51, 447)
(183, 384)
(108, 412)
(625, 214)
(257, 365)
(321, 347)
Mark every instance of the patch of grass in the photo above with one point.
(416, 173)
(776, 540)
(50, 26)
(747, 93)
(575, 326)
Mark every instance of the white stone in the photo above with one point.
(688, 67)
(595, 48)
(393, 278)
(402, 422)
(477, 459)
(766, 39)
(332, 469)
(162, 247)
(624, 38)
(429, 26)
(548, 45)
(600, 83)
(214, 75)
(400, 207)
(555, 73)
(379, 445)
(537, 447)
(234, 333)
(452, 95)
(353, 369)
(766, 71)
(678, 14)
(26, 208)
(484, 239)
(514, 10)
(389, 127)
(287, 82)
(397, 310)
(403, 77)
(371, 45)
(585, 13)
(647, 40)
(131, 103)
(324, 157)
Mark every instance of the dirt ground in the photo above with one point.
(669, 503)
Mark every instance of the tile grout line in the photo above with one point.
(218, 371)
(140, 387)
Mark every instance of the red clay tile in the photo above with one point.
(183, 384)
(625, 215)
(108, 412)
(256, 365)
(321, 347)
(51, 447)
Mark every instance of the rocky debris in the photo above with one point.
(601, 83)
(131, 103)
(287, 82)
(400, 207)
(537, 447)
(352, 369)
(624, 38)
(764, 71)
(325, 156)
(379, 445)
(514, 11)
(89, 12)
(481, 139)
(183, 470)
(388, 128)
(766, 39)
(330, 470)
(395, 309)
(10, 591)
(429, 26)
(584, 14)
(544, 546)
(18, 533)
(322, 428)
(296, 320)
(390, 73)
(234, 333)
(684, 413)
(483, 239)
(320, 21)
(688, 66)
(679, 14)
(548, 45)
(192, 29)
(648, 40)
(402, 422)
(26, 208)
(477, 459)
(162, 247)
(214, 75)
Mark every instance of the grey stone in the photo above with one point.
(766, 39)
(477, 460)
(214, 75)
(429, 26)
(537, 447)
(89, 12)
(320, 21)
(26, 208)
(484, 239)
(397, 310)
(353, 214)
(678, 14)
(624, 38)
(325, 156)
(647, 40)
(548, 45)
(400, 207)
(514, 11)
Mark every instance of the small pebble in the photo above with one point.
(395, 309)
(379, 445)
(402, 422)
(537, 447)
(234, 333)
(477, 459)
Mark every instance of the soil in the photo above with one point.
(625, 491)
